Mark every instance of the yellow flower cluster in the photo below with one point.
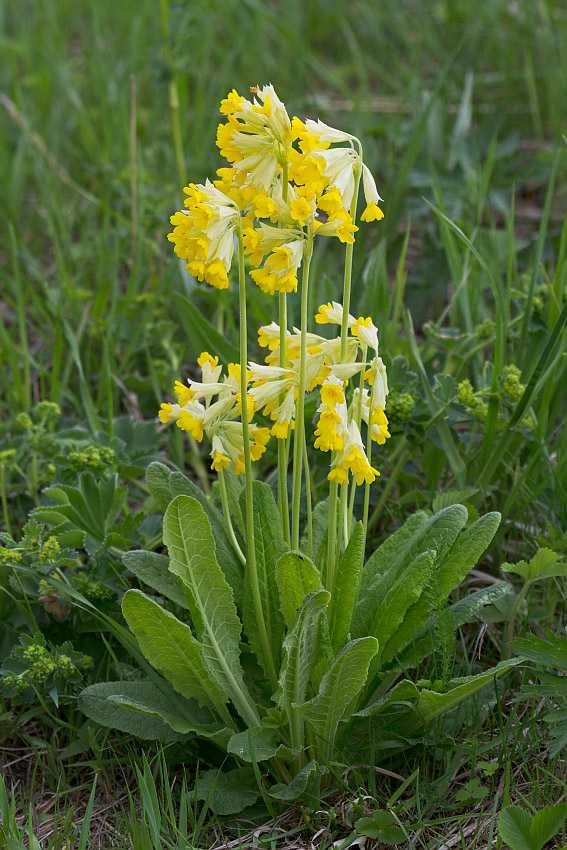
(305, 190)
(273, 389)
(197, 413)
(204, 233)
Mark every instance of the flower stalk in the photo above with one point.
(300, 414)
(250, 541)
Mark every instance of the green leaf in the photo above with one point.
(296, 577)
(551, 651)
(431, 703)
(234, 488)
(404, 693)
(93, 701)
(170, 647)
(339, 686)
(514, 828)
(91, 508)
(181, 485)
(472, 790)
(546, 824)
(392, 611)
(153, 569)
(302, 650)
(452, 497)
(390, 549)
(201, 334)
(380, 826)
(202, 723)
(256, 744)
(437, 533)
(270, 546)
(188, 536)
(345, 592)
(544, 564)
(227, 793)
(428, 639)
(465, 552)
(298, 785)
(157, 480)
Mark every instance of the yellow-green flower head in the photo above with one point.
(200, 415)
(340, 166)
(367, 332)
(372, 413)
(274, 389)
(257, 135)
(352, 459)
(281, 251)
(332, 313)
(378, 380)
(204, 233)
(333, 416)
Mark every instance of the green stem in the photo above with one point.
(331, 553)
(348, 269)
(4, 499)
(282, 449)
(300, 410)
(250, 542)
(282, 452)
(308, 497)
(512, 623)
(365, 512)
(330, 570)
(228, 521)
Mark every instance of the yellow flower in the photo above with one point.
(353, 458)
(264, 206)
(256, 136)
(188, 422)
(372, 213)
(301, 210)
(220, 461)
(285, 249)
(330, 203)
(199, 415)
(332, 313)
(345, 228)
(366, 331)
(204, 233)
(166, 413)
(232, 103)
(332, 393)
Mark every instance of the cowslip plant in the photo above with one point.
(280, 645)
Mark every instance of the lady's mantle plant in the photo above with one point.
(284, 647)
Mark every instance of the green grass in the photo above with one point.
(461, 109)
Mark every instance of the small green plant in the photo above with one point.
(549, 654)
(383, 826)
(522, 831)
(544, 564)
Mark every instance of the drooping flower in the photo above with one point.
(352, 459)
(256, 136)
(204, 233)
(280, 249)
(211, 408)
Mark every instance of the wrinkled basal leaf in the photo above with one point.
(188, 536)
(296, 577)
(170, 647)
